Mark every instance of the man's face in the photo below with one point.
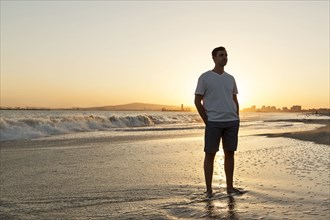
(221, 58)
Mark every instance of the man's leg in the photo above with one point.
(229, 169)
(208, 171)
(229, 141)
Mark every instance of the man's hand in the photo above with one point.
(236, 102)
(200, 107)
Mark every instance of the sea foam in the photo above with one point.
(13, 128)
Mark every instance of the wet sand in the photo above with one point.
(162, 179)
(319, 136)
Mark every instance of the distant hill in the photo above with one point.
(135, 107)
(126, 107)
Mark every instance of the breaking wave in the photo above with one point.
(29, 128)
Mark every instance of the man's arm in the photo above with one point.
(200, 107)
(236, 103)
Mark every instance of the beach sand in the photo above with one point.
(319, 135)
(162, 178)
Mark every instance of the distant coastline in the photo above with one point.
(126, 107)
(172, 108)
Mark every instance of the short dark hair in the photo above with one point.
(215, 50)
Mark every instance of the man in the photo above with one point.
(217, 104)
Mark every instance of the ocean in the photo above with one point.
(65, 124)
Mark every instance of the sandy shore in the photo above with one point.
(162, 178)
(319, 136)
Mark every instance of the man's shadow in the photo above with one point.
(227, 212)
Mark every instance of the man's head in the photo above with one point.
(219, 56)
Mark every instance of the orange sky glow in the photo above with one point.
(97, 53)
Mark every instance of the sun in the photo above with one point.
(244, 94)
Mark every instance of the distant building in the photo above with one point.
(182, 108)
(264, 109)
(296, 108)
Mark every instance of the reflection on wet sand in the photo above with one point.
(216, 209)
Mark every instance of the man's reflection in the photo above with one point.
(217, 209)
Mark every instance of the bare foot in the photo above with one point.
(209, 194)
(234, 191)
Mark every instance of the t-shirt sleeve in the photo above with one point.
(235, 91)
(200, 89)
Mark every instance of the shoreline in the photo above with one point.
(319, 135)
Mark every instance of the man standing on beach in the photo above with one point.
(217, 104)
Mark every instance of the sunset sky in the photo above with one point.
(96, 53)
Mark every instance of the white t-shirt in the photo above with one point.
(218, 91)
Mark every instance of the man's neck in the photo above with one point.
(219, 69)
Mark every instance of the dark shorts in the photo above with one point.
(215, 131)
